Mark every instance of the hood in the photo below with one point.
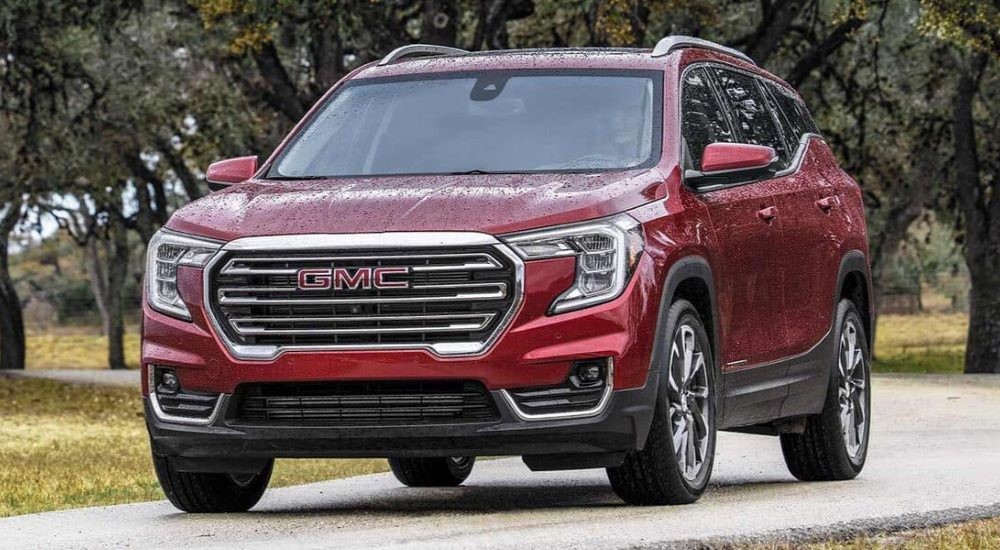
(488, 203)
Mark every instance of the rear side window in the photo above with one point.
(794, 116)
(783, 107)
(704, 120)
(749, 112)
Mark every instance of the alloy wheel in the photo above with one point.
(852, 390)
(690, 415)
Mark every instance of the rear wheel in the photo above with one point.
(432, 472)
(675, 465)
(211, 492)
(834, 445)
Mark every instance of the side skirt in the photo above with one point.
(758, 396)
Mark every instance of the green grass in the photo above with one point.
(930, 343)
(67, 446)
(973, 535)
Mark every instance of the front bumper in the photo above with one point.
(536, 350)
(622, 426)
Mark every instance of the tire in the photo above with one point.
(432, 472)
(211, 493)
(825, 451)
(655, 474)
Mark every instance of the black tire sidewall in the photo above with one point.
(461, 472)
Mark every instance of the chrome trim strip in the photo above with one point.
(388, 240)
(383, 330)
(789, 358)
(457, 297)
(154, 404)
(355, 241)
(500, 285)
(596, 410)
(489, 263)
(363, 319)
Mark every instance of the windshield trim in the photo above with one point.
(656, 150)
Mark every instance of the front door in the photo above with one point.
(747, 225)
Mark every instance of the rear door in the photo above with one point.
(745, 221)
(810, 208)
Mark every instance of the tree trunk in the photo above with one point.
(12, 345)
(117, 271)
(981, 213)
(98, 280)
(982, 353)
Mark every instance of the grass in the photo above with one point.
(67, 446)
(973, 535)
(929, 343)
(77, 348)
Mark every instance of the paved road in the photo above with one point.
(934, 457)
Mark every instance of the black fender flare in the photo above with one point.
(685, 268)
(856, 261)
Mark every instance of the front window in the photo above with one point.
(486, 122)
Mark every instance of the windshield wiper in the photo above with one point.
(468, 172)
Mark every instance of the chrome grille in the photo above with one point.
(456, 299)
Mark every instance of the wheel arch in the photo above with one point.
(855, 284)
(691, 278)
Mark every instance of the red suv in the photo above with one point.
(591, 258)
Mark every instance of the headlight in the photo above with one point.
(166, 252)
(606, 252)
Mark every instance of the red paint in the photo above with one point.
(236, 170)
(723, 157)
(775, 273)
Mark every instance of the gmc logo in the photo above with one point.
(344, 278)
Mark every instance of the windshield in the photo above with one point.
(494, 121)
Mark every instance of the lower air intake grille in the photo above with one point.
(387, 403)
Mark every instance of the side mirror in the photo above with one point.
(224, 173)
(723, 163)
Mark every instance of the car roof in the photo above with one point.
(520, 59)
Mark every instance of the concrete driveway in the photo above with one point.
(935, 457)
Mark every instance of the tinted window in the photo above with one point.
(491, 121)
(789, 121)
(807, 119)
(704, 121)
(749, 112)
(791, 114)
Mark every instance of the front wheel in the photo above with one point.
(834, 445)
(211, 492)
(675, 465)
(432, 472)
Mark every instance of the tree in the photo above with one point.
(12, 345)
(973, 29)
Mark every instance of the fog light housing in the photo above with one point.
(165, 381)
(588, 373)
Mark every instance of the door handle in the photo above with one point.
(826, 204)
(768, 214)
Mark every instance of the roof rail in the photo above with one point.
(419, 49)
(677, 42)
